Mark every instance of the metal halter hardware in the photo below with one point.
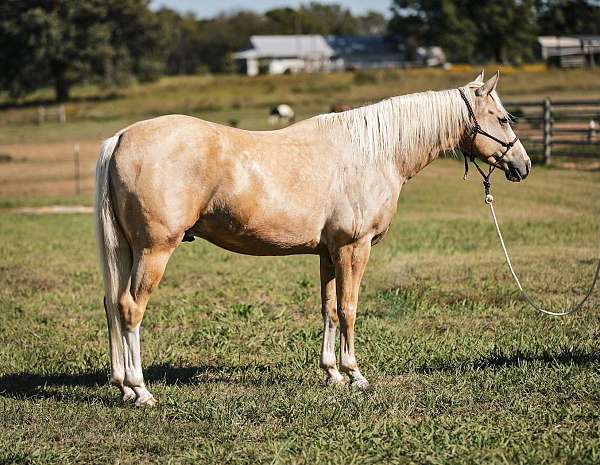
(474, 130)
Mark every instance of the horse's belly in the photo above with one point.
(258, 237)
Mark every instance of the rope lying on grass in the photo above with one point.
(489, 199)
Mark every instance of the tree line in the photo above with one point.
(61, 43)
(504, 31)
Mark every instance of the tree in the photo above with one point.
(557, 17)
(64, 42)
(435, 22)
(507, 30)
(503, 30)
(372, 23)
(321, 18)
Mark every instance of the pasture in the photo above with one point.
(462, 371)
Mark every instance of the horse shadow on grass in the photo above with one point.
(497, 358)
(65, 386)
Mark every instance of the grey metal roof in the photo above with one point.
(280, 46)
(358, 45)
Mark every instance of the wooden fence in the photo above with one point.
(562, 128)
(46, 113)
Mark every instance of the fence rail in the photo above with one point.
(564, 128)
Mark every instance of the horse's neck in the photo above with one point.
(437, 126)
(406, 132)
(410, 167)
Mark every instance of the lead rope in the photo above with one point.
(489, 200)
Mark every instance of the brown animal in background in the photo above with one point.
(339, 108)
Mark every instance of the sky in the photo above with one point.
(209, 8)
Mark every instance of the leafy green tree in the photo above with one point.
(64, 42)
(507, 29)
(557, 17)
(469, 30)
(319, 18)
(372, 23)
(435, 22)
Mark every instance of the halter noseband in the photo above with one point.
(474, 130)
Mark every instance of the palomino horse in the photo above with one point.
(326, 186)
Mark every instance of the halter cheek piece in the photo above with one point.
(474, 130)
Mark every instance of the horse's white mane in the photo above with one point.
(407, 128)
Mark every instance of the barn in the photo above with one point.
(285, 54)
(570, 51)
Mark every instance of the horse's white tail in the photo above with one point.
(114, 254)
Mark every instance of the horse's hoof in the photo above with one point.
(128, 394)
(146, 401)
(360, 383)
(335, 380)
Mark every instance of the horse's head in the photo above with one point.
(492, 138)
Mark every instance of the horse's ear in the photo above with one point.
(489, 86)
(479, 77)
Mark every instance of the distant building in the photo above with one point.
(569, 51)
(355, 52)
(280, 54)
(284, 54)
(432, 56)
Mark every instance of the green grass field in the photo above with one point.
(462, 371)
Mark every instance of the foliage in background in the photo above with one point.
(206, 44)
(62, 43)
(568, 16)
(113, 42)
(501, 30)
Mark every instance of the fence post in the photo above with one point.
(41, 115)
(76, 169)
(62, 114)
(547, 131)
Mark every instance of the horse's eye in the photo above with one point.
(503, 120)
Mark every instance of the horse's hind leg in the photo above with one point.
(330, 322)
(115, 341)
(148, 268)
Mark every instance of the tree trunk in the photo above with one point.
(500, 54)
(61, 88)
(61, 83)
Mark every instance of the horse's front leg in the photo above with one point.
(330, 322)
(350, 262)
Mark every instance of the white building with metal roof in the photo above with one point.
(570, 51)
(282, 54)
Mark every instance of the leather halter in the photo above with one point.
(474, 130)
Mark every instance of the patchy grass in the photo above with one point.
(462, 371)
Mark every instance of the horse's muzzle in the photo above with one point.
(516, 171)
